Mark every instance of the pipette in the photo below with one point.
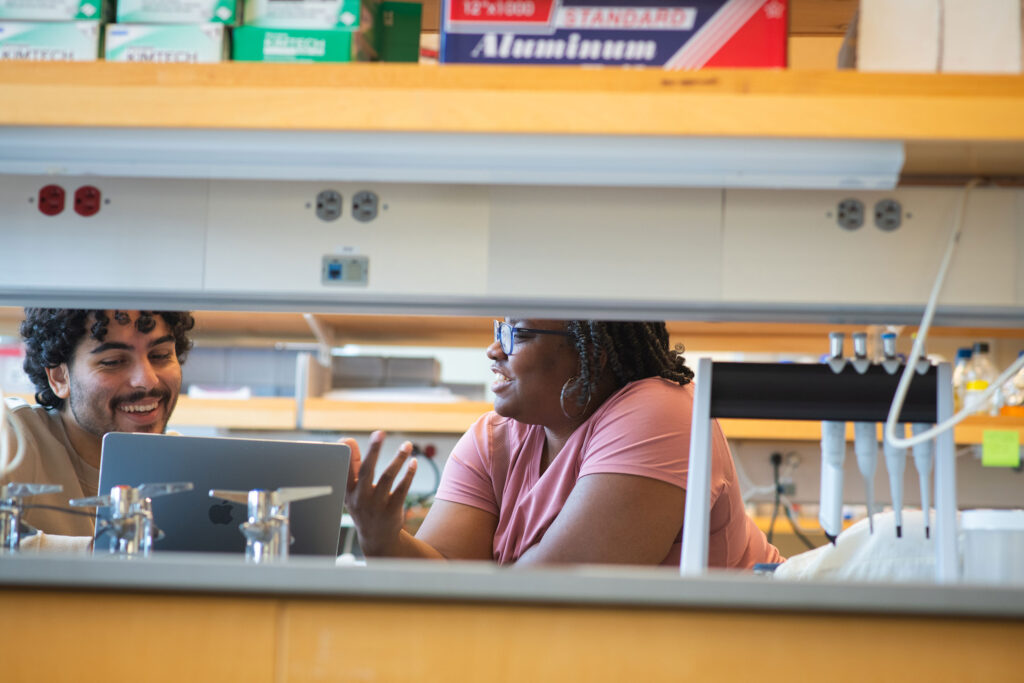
(896, 464)
(889, 361)
(865, 445)
(835, 356)
(833, 452)
(860, 361)
(923, 456)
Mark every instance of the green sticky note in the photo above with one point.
(1000, 448)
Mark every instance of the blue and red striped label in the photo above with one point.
(665, 33)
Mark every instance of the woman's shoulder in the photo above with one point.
(652, 392)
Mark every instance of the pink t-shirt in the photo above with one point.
(643, 429)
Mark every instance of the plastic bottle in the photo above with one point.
(1013, 391)
(963, 357)
(980, 373)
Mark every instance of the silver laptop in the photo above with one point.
(192, 521)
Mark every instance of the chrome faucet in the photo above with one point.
(267, 531)
(11, 507)
(131, 526)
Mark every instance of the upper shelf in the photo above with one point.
(952, 124)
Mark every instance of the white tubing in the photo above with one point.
(918, 349)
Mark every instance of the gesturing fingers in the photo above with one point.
(369, 463)
(387, 477)
(400, 492)
(353, 463)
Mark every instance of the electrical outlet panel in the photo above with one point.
(87, 200)
(345, 270)
(850, 214)
(365, 206)
(888, 215)
(328, 205)
(51, 200)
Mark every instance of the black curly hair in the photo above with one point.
(52, 334)
(633, 351)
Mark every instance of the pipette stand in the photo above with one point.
(770, 391)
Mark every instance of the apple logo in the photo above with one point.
(220, 513)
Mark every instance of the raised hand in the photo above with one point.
(378, 509)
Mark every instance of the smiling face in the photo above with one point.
(528, 384)
(129, 382)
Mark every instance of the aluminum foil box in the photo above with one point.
(671, 34)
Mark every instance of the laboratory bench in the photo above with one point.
(206, 617)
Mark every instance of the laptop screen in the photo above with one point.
(193, 521)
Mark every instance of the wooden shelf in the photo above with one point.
(432, 418)
(274, 413)
(970, 431)
(261, 413)
(953, 124)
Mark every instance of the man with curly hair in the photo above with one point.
(95, 371)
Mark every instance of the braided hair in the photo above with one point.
(52, 334)
(633, 351)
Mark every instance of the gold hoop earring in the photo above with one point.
(561, 399)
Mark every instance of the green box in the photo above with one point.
(50, 41)
(397, 31)
(257, 44)
(308, 14)
(54, 10)
(166, 43)
(177, 12)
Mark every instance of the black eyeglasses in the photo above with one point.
(505, 334)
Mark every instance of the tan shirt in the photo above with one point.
(49, 458)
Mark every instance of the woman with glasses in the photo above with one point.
(583, 459)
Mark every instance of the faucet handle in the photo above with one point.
(276, 497)
(19, 490)
(131, 495)
(90, 502)
(290, 494)
(154, 490)
(233, 496)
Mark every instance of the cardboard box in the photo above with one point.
(166, 43)
(311, 14)
(258, 44)
(397, 28)
(899, 36)
(177, 11)
(981, 36)
(54, 10)
(50, 41)
(672, 34)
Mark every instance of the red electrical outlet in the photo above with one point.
(51, 200)
(87, 200)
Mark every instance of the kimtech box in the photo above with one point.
(313, 14)
(177, 11)
(50, 41)
(259, 44)
(54, 10)
(672, 34)
(166, 43)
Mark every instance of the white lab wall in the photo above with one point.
(788, 247)
(669, 253)
(265, 238)
(149, 237)
(605, 243)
